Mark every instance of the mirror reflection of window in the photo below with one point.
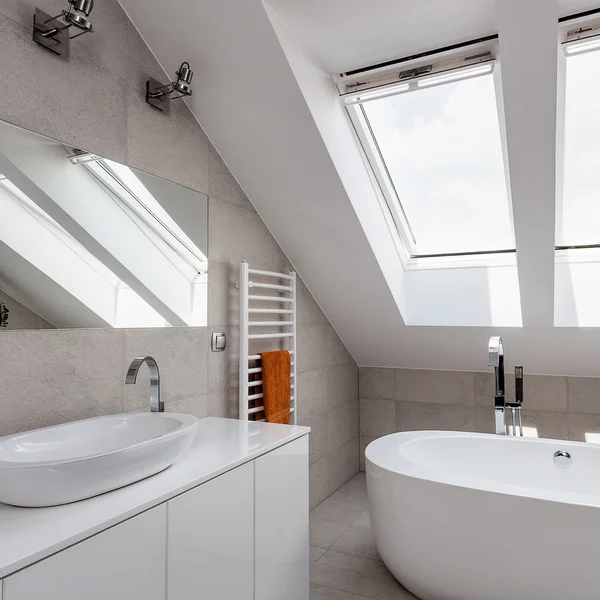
(87, 242)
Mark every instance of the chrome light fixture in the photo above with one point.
(54, 32)
(160, 95)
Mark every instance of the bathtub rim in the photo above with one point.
(479, 484)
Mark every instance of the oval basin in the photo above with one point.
(78, 460)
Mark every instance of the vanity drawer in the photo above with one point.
(122, 563)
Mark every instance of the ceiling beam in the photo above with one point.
(528, 35)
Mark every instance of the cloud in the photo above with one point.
(443, 150)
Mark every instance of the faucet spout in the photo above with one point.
(496, 360)
(156, 404)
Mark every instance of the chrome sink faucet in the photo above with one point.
(496, 360)
(156, 404)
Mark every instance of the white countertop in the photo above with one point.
(31, 534)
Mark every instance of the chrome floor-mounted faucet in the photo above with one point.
(516, 407)
(156, 404)
(496, 360)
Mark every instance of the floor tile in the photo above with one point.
(324, 533)
(357, 574)
(316, 553)
(364, 520)
(350, 495)
(337, 512)
(321, 592)
(357, 540)
(358, 482)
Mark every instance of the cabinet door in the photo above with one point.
(281, 523)
(122, 563)
(210, 544)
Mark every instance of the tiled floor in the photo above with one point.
(344, 561)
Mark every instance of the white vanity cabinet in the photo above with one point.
(281, 523)
(211, 539)
(228, 522)
(121, 563)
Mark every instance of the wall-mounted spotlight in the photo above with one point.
(54, 32)
(160, 95)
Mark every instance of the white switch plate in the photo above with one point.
(218, 342)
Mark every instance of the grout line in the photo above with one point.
(345, 591)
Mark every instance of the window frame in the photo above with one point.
(372, 84)
(573, 33)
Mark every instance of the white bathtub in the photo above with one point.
(467, 516)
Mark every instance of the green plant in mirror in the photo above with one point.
(3, 315)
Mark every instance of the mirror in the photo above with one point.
(88, 242)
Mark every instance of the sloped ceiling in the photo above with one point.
(256, 107)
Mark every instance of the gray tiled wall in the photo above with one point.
(392, 400)
(95, 100)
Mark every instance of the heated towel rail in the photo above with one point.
(267, 301)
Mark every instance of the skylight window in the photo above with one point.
(578, 214)
(433, 140)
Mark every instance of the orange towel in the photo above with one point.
(276, 385)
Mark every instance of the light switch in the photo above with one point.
(218, 342)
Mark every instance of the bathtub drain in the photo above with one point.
(562, 459)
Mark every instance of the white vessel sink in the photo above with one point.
(78, 460)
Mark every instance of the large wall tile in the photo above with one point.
(342, 384)
(72, 101)
(318, 439)
(160, 144)
(485, 388)
(224, 367)
(311, 345)
(320, 483)
(308, 312)
(435, 387)
(484, 419)
(549, 424)
(377, 383)
(222, 185)
(141, 63)
(584, 395)
(312, 393)
(238, 233)
(377, 417)
(363, 443)
(543, 392)
(223, 296)
(49, 378)
(581, 424)
(181, 354)
(224, 403)
(106, 47)
(337, 353)
(414, 416)
(197, 406)
(344, 463)
(343, 426)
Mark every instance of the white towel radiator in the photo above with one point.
(274, 294)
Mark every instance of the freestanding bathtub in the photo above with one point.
(467, 516)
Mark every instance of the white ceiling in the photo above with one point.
(271, 114)
(350, 34)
